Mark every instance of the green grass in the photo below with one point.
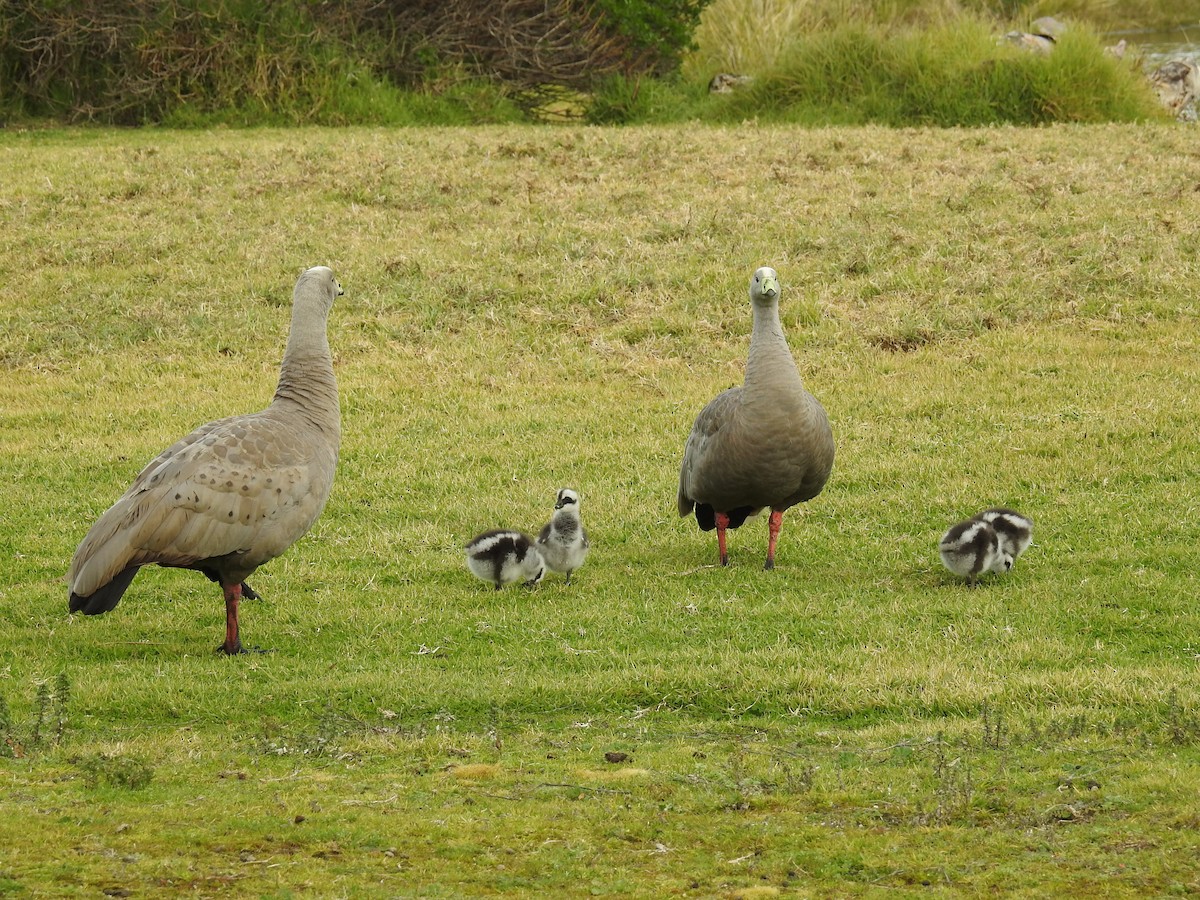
(991, 316)
(954, 75)
(951, 74)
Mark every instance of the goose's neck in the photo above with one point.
(770, 360)
(306, 379)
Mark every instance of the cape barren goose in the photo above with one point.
(1014, 530)
(234, 493)
(972, 548)
(563, 542)
(765, 444)
(503, 556)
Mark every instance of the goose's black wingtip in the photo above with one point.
(89, 606)
(706, 516)
(104, 599)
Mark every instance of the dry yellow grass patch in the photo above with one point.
(625, 773)
(753, 893)
(474, 771)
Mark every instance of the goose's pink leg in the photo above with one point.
(233, 642)
(722, 524)
(773, 526)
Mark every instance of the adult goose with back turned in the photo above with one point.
(234, 493)
(764, 444)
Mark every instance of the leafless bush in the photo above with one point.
(523, 43)
(135, 60)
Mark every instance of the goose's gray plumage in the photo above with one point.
(563, 541)
(234, 493)
(972, 548)
(764, 444)
(503, 556)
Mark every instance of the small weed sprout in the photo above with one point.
(41, 712)
(49, 722)
(994, 730)
(7, 740)
(954, 786)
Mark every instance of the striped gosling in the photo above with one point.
(971, 548)
(502, 557)
(1014, 530)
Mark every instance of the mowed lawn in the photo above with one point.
(990, 317)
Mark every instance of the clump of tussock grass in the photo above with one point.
(335, 94)
(953, 71)
(620, 100)
(752, 36)
(951, 75)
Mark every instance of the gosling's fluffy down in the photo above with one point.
(563, 542)
(1014, 530)
(502, 557)
(972, 548)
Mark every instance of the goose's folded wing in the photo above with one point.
(710, 426)
(232, 486)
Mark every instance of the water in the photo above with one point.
(1156, 47)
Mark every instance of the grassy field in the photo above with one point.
(995, 316)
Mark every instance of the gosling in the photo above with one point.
(972, 548)
(1014, 530)
(502, 557)
(563, 542)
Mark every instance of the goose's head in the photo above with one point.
(567, 498)
(764, 287)
(322, 277)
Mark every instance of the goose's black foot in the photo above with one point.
(237, 649)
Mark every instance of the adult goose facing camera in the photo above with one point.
(765, 444)
(235, 493)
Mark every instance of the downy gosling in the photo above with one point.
(502, 557)
(972, 548)
(563, 542)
